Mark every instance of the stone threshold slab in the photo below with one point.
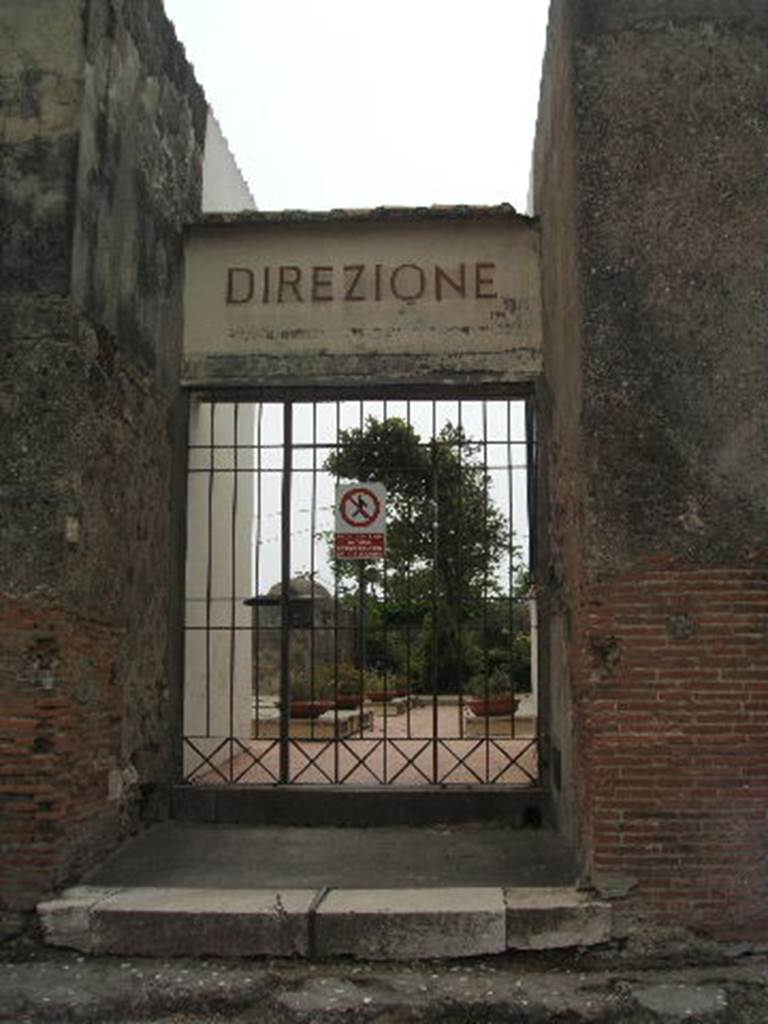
(329, 725)
(368, 924)
(511, 727)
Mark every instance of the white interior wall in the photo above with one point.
(224, 187)
(218, 670)
(218, 661)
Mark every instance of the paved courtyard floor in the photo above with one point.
(422, 745)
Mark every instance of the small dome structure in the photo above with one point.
(300, 586)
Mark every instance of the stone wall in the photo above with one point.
(102, 158)
(651, 185)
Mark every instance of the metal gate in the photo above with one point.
(413, 669)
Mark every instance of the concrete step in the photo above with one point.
(361, 806)
(370, 924)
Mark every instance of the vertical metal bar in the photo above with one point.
(435, 597)
(336, 606)
(178, 607)
(532, 505)
(361, 599)
(209, 570)
(361, 617)
(531, 478)
(511, 618)
(385, 648)
(463, 590)
(285, 608)
(485, 588)
(233, 590)
(312, 525)
(408, 599)
(256, 618)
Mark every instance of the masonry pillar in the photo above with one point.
(652, 187)
(102, 146)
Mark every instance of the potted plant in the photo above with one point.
(385, 688)
(309, 696)
(309, 708)
(340, 683)
(492, 695)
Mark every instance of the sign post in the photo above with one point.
(360, 521)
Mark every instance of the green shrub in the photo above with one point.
(343, 679)
(497, 683)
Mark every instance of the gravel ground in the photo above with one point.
(620, 985)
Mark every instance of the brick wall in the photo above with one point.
(671, 700)
(60, 744)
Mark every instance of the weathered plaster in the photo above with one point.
(102, 155)
(304, 296)
(651, 186)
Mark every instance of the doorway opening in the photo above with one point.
(305, 666)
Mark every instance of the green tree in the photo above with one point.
(445, 539)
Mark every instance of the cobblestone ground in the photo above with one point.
(613, 986)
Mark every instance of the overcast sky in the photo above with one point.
(356, 103)
(333, 103)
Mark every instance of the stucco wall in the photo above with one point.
(560, 487)
(652, 189)
(103, 145)
(224, 187)
(674, 230)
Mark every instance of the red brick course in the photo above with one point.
(671, 743)
(60, 734)
(670, 728)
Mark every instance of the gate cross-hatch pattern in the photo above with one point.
(411, 669)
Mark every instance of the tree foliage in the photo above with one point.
(445, 541)
(440, 513)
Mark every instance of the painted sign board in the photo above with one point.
(361, 520)
(294, 295)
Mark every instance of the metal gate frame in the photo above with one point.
(237, 749)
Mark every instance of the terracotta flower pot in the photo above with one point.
(309, 708)
(347, 702)
(493, 706)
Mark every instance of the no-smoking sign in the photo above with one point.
(360, 520)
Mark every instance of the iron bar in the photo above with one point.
(435, 577)
(336, 608)
(486, 662)
(233, 594)
(511, 597)
(285, 594)
(409, 600)
(256, 616)
(460, 563)
(445, 597)
(208, 576)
